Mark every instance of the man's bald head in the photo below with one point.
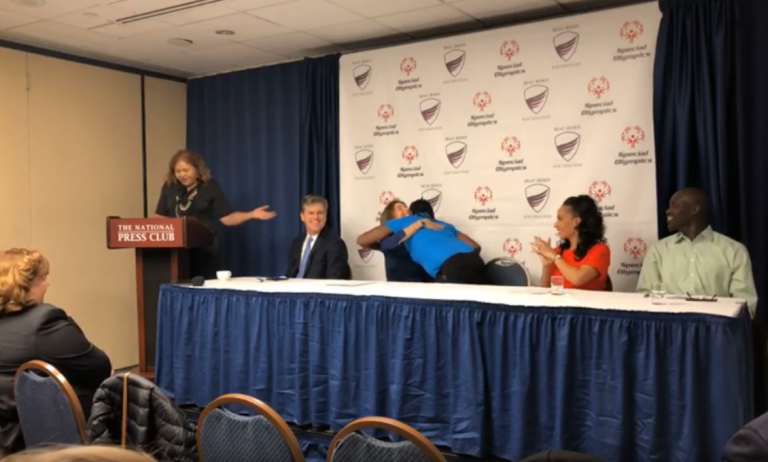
(686, 207)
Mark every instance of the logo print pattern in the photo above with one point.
(536, 97)
(537, 196)
(362, 75)
(454, 61)
(434, 197)
(407, 65)
(635, 247)
(456, 153)
(509, 49)
(385, 112)
(510, 145)
(410, 153)
(430, 109)
(483, 194)
(598, 87)
(512, 247)
(599, 190)
(386, 197)
(633, 135)
(364, 160)
(365, 254)
(631, 30)
(482, 100)
(567, 144)
(566, 44)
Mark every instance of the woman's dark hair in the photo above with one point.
(591, 229)
(422, 207)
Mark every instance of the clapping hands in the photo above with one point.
(544, 250)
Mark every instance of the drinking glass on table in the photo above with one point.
(658, 293)
(556, 285)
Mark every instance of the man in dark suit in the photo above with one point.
(750, 444)
(320, 253)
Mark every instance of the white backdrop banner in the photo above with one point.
(498, 128)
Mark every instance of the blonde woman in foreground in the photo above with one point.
(80, 454)
(32, 329)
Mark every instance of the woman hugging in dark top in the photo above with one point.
(32, 329)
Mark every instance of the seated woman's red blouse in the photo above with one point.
(598, 257)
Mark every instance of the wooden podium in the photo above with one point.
(161, 257)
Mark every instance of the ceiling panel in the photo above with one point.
(375, 8)
(47, 8)
(356, 31)
(12, 19)
(306, 14)
(484, 9)
(244, 26)
(427, 18)
(264, 31)
(293, 45)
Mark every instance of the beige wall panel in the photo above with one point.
(85, 144)
(15, 224)
(165, 113)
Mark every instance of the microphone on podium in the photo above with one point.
(198, 281)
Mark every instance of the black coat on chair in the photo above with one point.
(327, 260)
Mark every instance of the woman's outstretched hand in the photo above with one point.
(263, 213)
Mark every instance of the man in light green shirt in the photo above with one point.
(697, 260)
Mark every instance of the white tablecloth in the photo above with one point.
(499, 295)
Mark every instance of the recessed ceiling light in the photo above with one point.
(225, 32)
(180, 42)
(30, 3)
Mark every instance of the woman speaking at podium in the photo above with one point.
(189, 191)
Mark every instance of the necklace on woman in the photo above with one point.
(187, 203)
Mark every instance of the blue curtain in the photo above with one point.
(711, 111)
(269, 135)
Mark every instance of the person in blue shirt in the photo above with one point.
(444, 252)
(399, 265)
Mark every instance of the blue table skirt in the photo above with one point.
(480, 379)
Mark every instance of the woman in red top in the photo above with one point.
(582, 258)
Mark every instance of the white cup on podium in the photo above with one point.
(223, 275)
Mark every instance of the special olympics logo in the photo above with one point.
(509, 49)
(635, 247)
(537, 196)
(512, 247)
(386, 197)
(434, 197)
(482, 100)
(510, 145)
(454, 61)
(364, 160)
(633, 135)
(410, 153)
(483, 194)
(407, 65)
(385, 112)
(599, 190)
(631, 30)
(598, 86)
(565, 44)
(362, 75)
(365, 254)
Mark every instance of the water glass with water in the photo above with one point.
(556, 285)
(658, 293)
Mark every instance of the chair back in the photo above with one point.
(49, 411)
(223, 436)
(505, 271)
(350, 446)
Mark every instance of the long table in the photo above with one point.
(481, 370)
